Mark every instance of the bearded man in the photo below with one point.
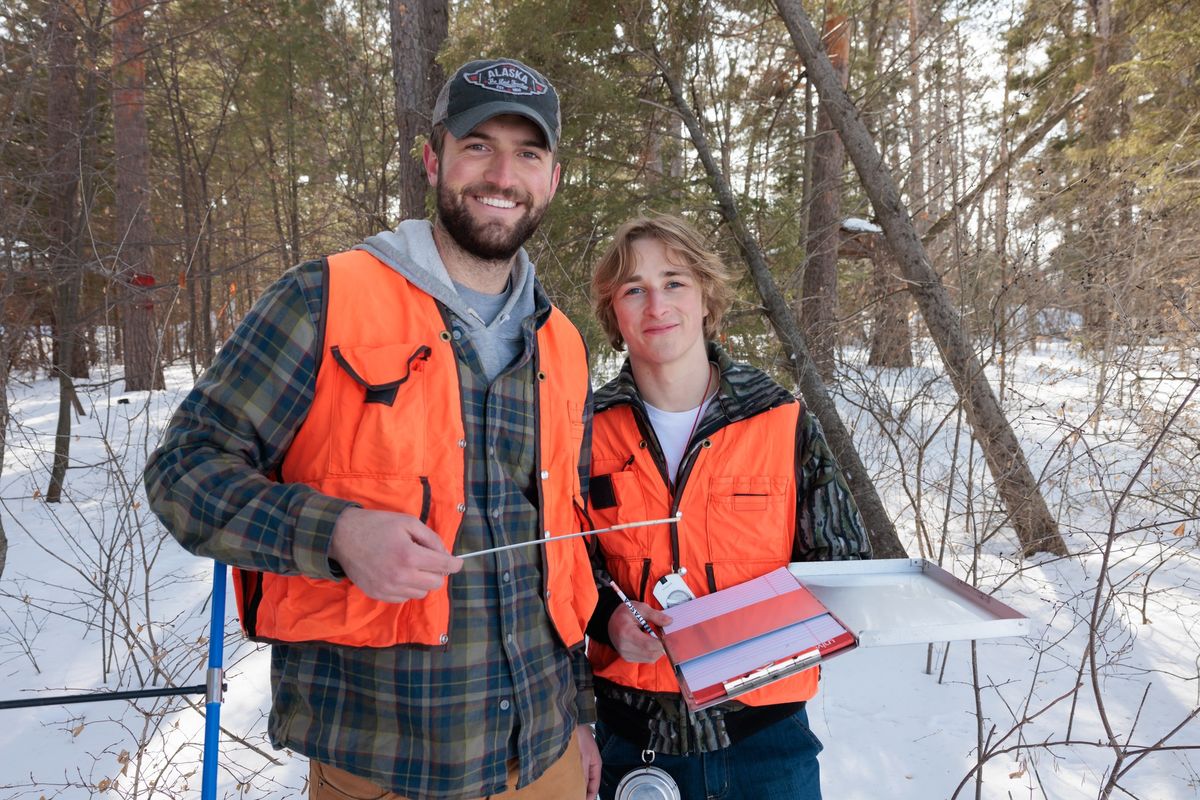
(378, 414)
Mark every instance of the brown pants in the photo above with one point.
(564, 780)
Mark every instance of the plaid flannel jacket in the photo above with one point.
(424, 723)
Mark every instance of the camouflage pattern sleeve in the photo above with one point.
(828, 524)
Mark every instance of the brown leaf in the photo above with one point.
(104, 784)
(1178, 531)
(77, 730)
(1020, 773)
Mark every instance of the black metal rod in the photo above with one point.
(97, 697)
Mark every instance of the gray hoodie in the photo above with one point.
(411, 251)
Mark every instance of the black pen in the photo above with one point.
(636, 614)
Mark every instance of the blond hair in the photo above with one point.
(687, 247)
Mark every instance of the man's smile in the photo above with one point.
(495, 202)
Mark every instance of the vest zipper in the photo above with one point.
(676, 494)
(674, 491)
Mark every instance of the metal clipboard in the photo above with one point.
(730, 642)
(907, 601)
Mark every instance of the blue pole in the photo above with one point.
(215, 685)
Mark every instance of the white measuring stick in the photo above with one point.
(621, 527)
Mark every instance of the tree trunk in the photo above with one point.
(131, 147)
(418, 30)
(89, 118)
(1030, 517)
(884, 541)
(819, 301)
(62, 177)
(891, 340)
(1099, 226)
(916, 120)
(1007, 281)
(7, 340)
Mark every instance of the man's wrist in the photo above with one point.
(315, 523)
(585, 708)
(606, 604)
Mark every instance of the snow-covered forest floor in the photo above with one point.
(96, 596)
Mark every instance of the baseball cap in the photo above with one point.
(480, 90)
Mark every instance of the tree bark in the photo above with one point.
(62, 179)
(131, 147)
(1003, 332)
(891, 341)
(7, 339)
(884, 541)
(1100, 227)
(418, 30)
(819, 299)
(1030, 517)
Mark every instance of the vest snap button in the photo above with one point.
(444, 638)
(444, 336)
(546, 534)
(706, 443)
(462, 443)
(541, 375)
(545, 474)
(461, 508)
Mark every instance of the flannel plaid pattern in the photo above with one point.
(422, 722)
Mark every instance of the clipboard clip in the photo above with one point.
(771, 672)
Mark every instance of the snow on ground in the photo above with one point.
(96, 596)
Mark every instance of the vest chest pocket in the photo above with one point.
(621, 499)
(749, 518)
(379, 414)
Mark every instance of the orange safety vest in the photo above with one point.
(385, 430)
(739, 522)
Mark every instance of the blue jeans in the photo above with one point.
(777, 763)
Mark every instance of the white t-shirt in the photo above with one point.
(673, 429)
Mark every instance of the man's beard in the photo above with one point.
(490, 241)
